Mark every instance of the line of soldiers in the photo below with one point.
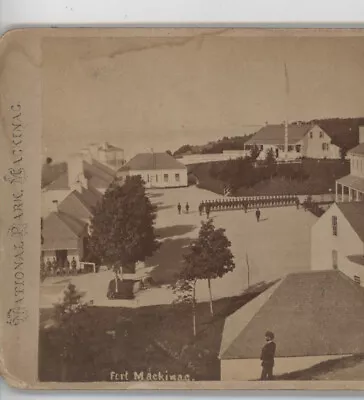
(245, 203)
(57, 268)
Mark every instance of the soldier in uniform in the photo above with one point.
(297, 201)
(200, 208)
(49, 266)
(208, 208)
(257, 214)
(267, 357)
(73, 264)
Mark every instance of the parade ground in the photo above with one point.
(264, 251)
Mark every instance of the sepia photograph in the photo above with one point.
(201, 207)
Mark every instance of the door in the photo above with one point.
(61, 257)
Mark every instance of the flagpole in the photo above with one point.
(286, 112)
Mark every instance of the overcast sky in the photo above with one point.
(159, 93)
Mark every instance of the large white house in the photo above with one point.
(158, 170)
(337, 240)
(308, 313)
(304, 140)
(351, 187)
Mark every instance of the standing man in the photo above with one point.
(245, 206)
(207, 208)
(200, 208)
(257, 214)
(179, 208)
(267, 357)
(187, 207)
(297, 201)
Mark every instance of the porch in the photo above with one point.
(349, 188)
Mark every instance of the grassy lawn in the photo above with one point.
(320, 177)
(156, 338)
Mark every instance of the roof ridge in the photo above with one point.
(75, 219)
(58, 215)
(275, 287)
(82, 201)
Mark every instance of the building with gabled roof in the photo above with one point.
(69, 202)
(160, 170)
(81, 174)
(337, 240)
(304, 140)
(307, 312)
(351, 187)
(65, 238)
(73, 218)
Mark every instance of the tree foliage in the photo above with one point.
(209, 257)
(122, 230)
(270, 162)
(69, 329)
(254, 152)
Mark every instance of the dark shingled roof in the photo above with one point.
(274, 134)
(150, 161)
(354, 213)
(99, 175)
(80, 205)
(313, 313)
(359, 150)
(62, 231)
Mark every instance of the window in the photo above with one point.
(334, 225)
(357, 279)
(325, 146)
(321, 134)
(156, 178)
(311, 135)
(165, 176)
(176, 177)
(148, 178)
(298, 148)
(334, 259)
(290, 148)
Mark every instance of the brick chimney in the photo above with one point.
(361, 134)
(76, 177)
(54, 206)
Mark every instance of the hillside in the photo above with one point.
(226, 143)
(343, 131)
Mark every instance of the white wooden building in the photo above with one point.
(337, 240)
(304, 140)
(351, 187)
(158, 170)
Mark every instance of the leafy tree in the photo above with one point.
(254, 152)
(209, 257)
(43, 272)
(343, 152)
(67, 316)
(270, 161)
(185, 288)
(122, 230)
